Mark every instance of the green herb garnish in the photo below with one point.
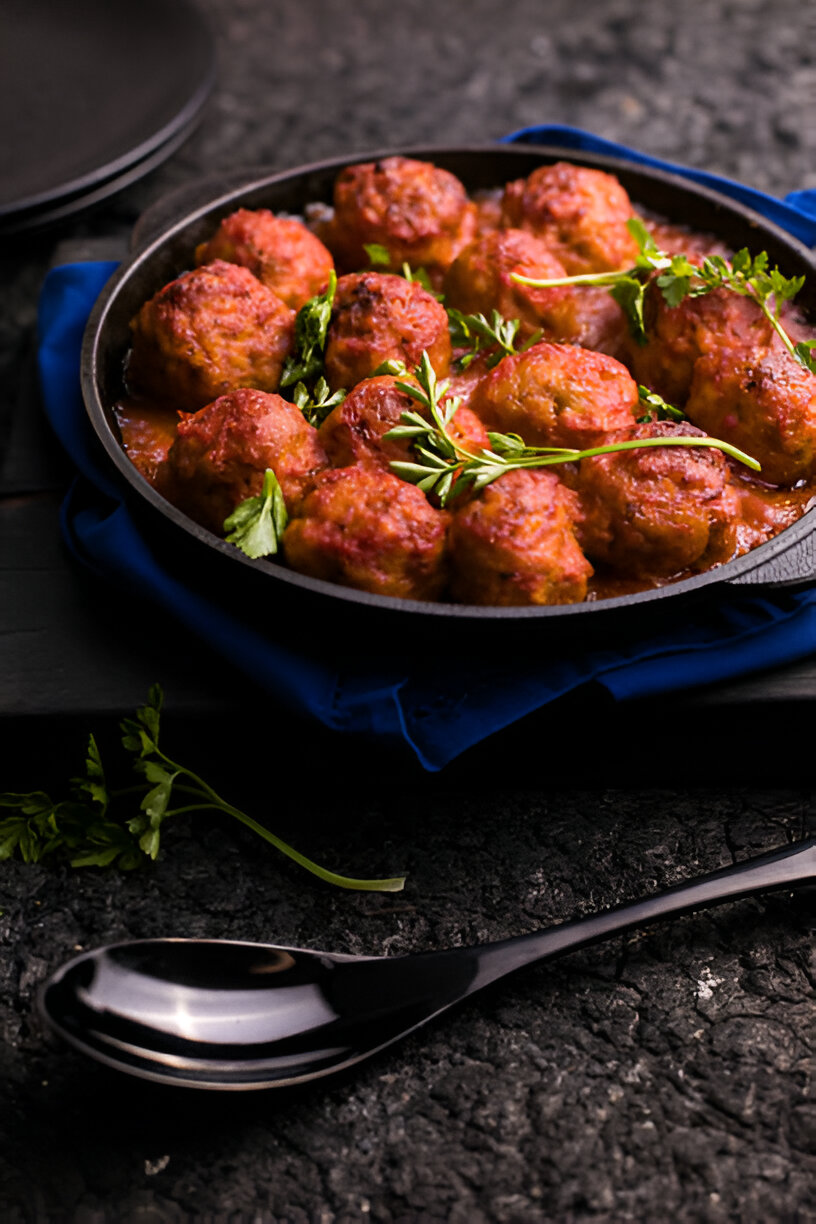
(678, 277)
(88, 829)
(420, 276)
(311, 328)
(378, 255)
(317, 404)
(476, 333)
(393, 366)
(656, 408)
(441, 463)
(257, 523)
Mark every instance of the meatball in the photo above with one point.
(221, 453)
(763, 401)
(280, 251)
(479, 281)
(208, 332)
(515, 544)
(418, 212)
(354, 431)
(654, 511)
(580, 214)
(365, 528)
(377, 317)
(679, 335)
(557, 395)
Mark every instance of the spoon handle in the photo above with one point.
(789, 867)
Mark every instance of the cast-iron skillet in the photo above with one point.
(789, 560)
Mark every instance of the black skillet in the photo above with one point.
(787, 561)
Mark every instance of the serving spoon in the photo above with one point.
(220, 1014)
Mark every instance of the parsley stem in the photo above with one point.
(392, 884)
(601, 279)
(683, 440)
(773, 319)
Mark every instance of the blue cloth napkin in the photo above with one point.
(438, 706)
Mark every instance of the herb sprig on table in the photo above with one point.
(443, 466)
(679, 277)
(99, 826)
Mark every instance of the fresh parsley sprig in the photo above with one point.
(439, 458)
(442, 465)
(89, 830)
(476, 333)
(317, 404)
(311, 328)
(257, 524)
(678, 277)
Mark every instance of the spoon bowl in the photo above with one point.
(228, 1015)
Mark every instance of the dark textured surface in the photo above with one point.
(670, 1075)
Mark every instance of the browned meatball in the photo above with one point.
(364, 528)
(221, 453)
(280, 251)
(557, 395)
(212, 330)
(654, 511)
(514, 544)
(417, 211)
(354, 431)
(763, 401)
(679, 335)
(377, 317)
(581, 214)
(479, 281)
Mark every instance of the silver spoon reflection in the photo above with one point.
(227, 1015)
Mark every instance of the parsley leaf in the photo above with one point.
(317, 405)
(378, 255)
(311, 328)
(657, 408)
(476, 333)
(804, 352)
(257, 524)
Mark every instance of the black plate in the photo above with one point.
(788, 559)
(90, 89)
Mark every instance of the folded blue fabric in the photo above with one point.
(439, 707)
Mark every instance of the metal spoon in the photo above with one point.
(228, 1015)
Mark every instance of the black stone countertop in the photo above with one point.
(670, 1074)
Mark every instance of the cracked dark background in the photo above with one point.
(669, 1074)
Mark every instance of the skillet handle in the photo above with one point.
(793, 567)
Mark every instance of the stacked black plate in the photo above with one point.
(93, 95)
